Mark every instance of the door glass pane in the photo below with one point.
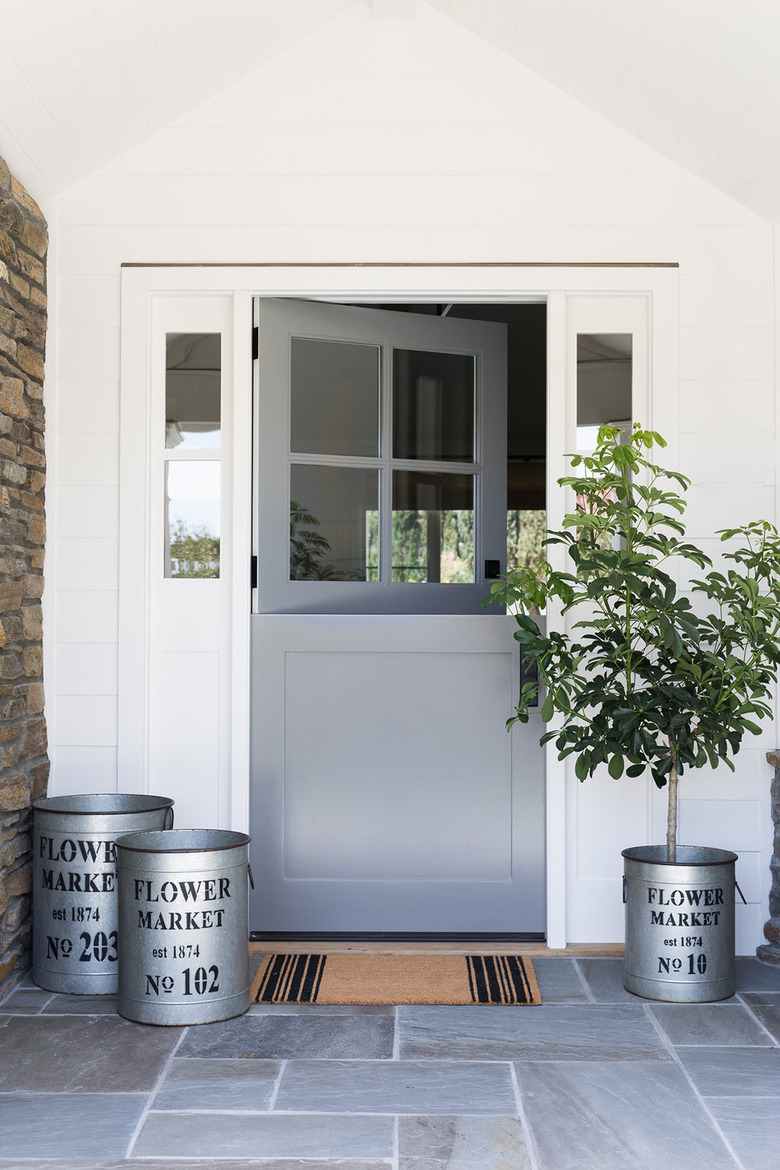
(334, 398)
(526, 532)
(192, 389)
(192, 514)
(433, 405)
(433, 527)
(334, 523)
(603, 384)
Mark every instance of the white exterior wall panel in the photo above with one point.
(418, 145)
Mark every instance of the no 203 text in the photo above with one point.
(99, 947)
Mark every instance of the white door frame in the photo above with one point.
(145, 289)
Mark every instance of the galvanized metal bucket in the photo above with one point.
(74, 885)
(183, 926)
(679, 923)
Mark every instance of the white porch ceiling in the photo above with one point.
(699, 80)
(81, 81)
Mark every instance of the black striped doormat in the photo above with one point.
(391, 979)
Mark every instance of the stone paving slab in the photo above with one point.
(766, 1008)
(25, 1002)
(604, 980)
(753, 975)
(752, 1126)
(61, 1125)
(462, 1143)
(218, 1084)
(734, 1072)
(269, 1135)
(289, 1036)
(608, 1116)
(406, 1086)
(708, 1024)
(560, 982)
(552, 1032)
(81, 1054)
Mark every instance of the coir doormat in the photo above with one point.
(391, 979)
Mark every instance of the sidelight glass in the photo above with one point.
(334, 523)
(192, 517)
(433, 527)
(433, 405)
(334, 398)
(604, 377)
(193, 371)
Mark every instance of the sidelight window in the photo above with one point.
(192, 446)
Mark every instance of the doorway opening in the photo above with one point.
(387, 800)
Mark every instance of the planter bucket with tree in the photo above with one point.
(653, 679)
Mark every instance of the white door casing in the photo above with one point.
(145, 292)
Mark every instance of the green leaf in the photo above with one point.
(616, 767)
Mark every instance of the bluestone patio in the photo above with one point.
(594, 1078)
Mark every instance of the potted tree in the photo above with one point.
(653, 678)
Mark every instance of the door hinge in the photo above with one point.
(253, 574)
(255, 342)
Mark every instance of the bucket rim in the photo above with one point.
(161, 835)
(721, 856)
(49, 804)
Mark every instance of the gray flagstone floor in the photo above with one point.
(594, 1078)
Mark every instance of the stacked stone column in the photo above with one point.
(770, 950)
(24, 765)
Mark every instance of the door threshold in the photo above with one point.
(261, 943)
(392, 936)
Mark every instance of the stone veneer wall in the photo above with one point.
(24, 765)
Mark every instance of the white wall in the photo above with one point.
(414, 143)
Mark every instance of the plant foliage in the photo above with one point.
(650, 677)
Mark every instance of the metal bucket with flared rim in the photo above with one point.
(183, 926)
(74, 885)
(679, 923)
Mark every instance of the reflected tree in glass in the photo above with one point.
(192, 518)
(333, 523)
(433, 528)
(194, 552)
(525, 533)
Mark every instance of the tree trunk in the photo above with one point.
(671, 820)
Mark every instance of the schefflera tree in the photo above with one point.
(649, 676)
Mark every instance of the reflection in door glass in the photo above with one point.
(604, 371)
(334, 398)
(433, 405)
(334, 523)
(192, 389)
(433, 527)
(192, 515)
(526, 531)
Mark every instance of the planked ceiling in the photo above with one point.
(81, 81)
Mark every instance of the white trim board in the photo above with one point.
(150, 295)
